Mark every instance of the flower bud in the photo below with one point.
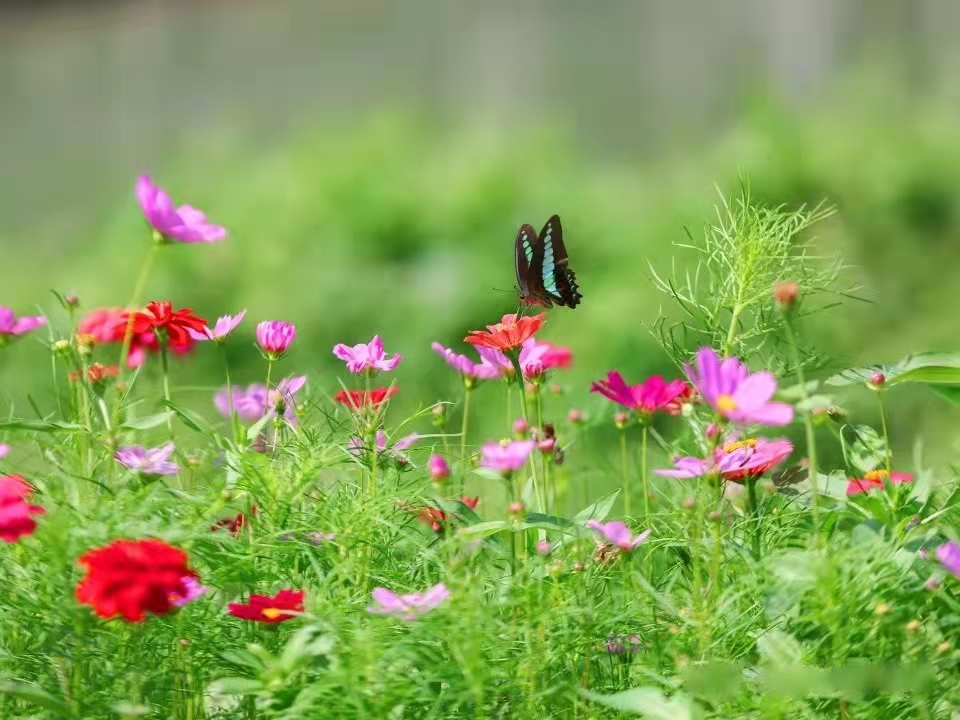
(620, 420)
(712, 431)
(714, 516)
(579, 567)
(786, 294)
(516, 509)
(544, 547)
(62, 348)
(575, 416)
(882, 609)
(556, 388)
(944, 647)
(193, 461)
(547, 446)
(71, 300)
(932, 583)
(520, 428)
(438, 468)
(877, 380)
(689, 503)
(913, 626)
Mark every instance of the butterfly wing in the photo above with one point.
(528, 261)
(558, 281)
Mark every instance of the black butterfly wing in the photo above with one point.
(528, 260)
(556, 278)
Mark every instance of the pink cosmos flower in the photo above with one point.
(183, 224)
(557, 357)
(4, 449)
(949, 556)
(506, 458)
(13, 327)
(535, 358)
(275, 337)
(249, 403)
(617, 533)
(356, 445)
(407, 607)
(16, 514)
(470, 370)
(874, 480)
(192, 590)
(736, 394)
(735, 460)
(224, 326)
(147, 461)
(438, 468)
(367, 356)
(648, 397)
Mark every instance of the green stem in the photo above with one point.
(545, 500)
(372, 432)
(464, 425)
(753, 506)
(886, 435)
(135, 301)
(231, 410)
(165, 369)
(732, 333)
(808, 430)
(643, 477)
(515, 359)
(624, 481)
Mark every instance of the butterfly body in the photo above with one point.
(543, 278)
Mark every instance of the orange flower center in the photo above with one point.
(272, 613)
(739, 445)
(876, 476)
(726, 404)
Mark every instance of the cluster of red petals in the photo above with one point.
(234, 524)
(16, 514)
(160, 316)
(874, 481)
(435, 517)
(107, 326)
(96, 373)
(359, 399)
(508, 334)
(285, 605)
(130, 578)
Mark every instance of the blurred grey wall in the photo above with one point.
(91, 92)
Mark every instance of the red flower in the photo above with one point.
(358, 399)
(874, 480)
(235, 524)
(15, 513)
(175, 323)
(109, 325)
(96, 373)
(471, 502)
(508, 334)
(285, 605)
(132, 577)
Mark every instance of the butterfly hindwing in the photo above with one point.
(557, 280)
(529, 263)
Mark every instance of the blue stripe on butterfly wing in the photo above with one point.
(528, 249)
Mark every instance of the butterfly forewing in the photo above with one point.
(558, 281)
(529, 262)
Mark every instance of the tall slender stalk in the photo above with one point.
(464, 425)
(881, 401)
(135, 299)
(808, 428)
(643, 475)
(165, 369)
(231, 410)
(624, 479)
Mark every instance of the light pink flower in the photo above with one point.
(735, 460)
(224, 326)
(356, 445)
(617, 533)
(407, 607)
(12, 327)
(4, 449)
(147, 461)
(183, 224)
(534, 358)
(736, 394)
(506, 458)
(438, 468)
(275, 337)
(470, 370)
(652, 395)
(191, 591)
(367, 357)
(949, 556)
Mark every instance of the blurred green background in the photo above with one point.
(373, 160)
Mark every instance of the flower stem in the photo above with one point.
(231, 410)
(515, 359)
(808, 429)
(751, 483)
(135, 301)
(464, 425)
(886, 435)
(547, 498)
(643, 476)
(624, 482)
(165, 369)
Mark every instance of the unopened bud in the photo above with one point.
(882, 609)
(932, 583)
(556, 388)
(516, 509)
(544, 547)
(520, 427)
(786, 294)
(62, 348)
(438, 468)
(620, 420)
(575, 416)
(689, 503)
(943, 647)
(547, 446)
(714, 516)
(712, 431)
(579, 567)
(193, 461)
(877, 380)
(913, 626)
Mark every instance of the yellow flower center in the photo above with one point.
(726, 404)
(875, 475)
(739, 445)
(272, 613)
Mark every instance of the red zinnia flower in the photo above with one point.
(285, 605)
(96, 372)
(358, 399)
(132, 577)
(471, 502)
(175, 323)
(234, 524)
(508, 334)
(15, 513)
(874, 480)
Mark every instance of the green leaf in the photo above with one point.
(867, 450)
(648, 702)
(309, 642)
(145, 423)
(598, 510)
(779, 649)
(950, 393)
(254, 430)
(483, 529)
(536, 519)
(923, 367)
(715, 682)
(243, 658)
(35, 695)
(187, 418)
(41, 426)
(236, 686)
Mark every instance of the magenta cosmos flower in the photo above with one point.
(736, 394)
(12, 327)
(652, 395)
(617, 533)
(191, 591)
(735, 460)
(506, 458)
(407, 607)
(470, 370)
(949, 556)
(218, 333)
(367, 357)
(438, 468)
(184, 224)
(147, 461)
(275, 337)
(535, 358)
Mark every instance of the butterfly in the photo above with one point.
(543, 277)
